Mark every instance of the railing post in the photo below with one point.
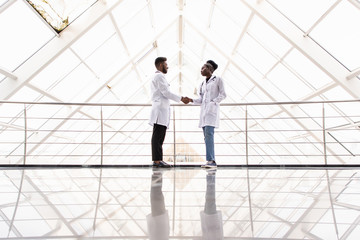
(324, 132)
(246, 136)
(174, 136)
(25, 134)
(102, 134)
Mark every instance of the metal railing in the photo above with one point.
(95, 134)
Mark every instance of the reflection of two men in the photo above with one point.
(158, 219)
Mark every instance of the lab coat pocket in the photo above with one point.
(212, 109)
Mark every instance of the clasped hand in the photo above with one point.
(186, 100)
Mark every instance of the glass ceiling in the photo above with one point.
(267, 51)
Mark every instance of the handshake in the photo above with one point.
(186, 100)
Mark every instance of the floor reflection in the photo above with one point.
(158, 220)
(181, 203)
(211, 218)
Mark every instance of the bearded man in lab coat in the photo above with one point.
(160, 111)
(211, 93)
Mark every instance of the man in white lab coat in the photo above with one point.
(211, 93)
(160, 111)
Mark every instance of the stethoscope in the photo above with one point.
(202, 84)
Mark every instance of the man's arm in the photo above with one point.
(164, 89)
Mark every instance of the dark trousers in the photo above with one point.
(157, 141)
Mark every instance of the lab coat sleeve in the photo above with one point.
(164, 89)
(222, 94)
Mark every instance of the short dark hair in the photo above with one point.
(159, 60)
(213, 64)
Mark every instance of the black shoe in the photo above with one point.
(162, 164)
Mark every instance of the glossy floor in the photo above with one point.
(181, 203)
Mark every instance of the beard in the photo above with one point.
(164, 70)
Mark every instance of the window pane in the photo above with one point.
(56, 71)
(22, 34)
(303, 13)
(307, 69)
(133, 36)
(268, 38)
(339, 34)
(257, 56)
(59, 14)
(288, 83)
(94, 38)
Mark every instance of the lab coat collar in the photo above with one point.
(212, 78)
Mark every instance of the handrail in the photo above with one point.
(179, 105)
(248, 138)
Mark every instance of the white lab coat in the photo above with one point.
(160, 97)
(211, 93)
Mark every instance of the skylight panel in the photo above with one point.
(133, 90)
(223, 31)
(304, 13)
(288, 83)
(339, 34)
(138, 31)
(215, 54)
(268, 37)
(56, 71)
(127, 10)
(146, 65)
(307, 69)
(163, 18)
(197, 12)
(236, 84)
(21, 37)
(59, 14)
(237, 81)
(168, 42)
(264, 98)
(94, 38)
(190, 64)
(73, 83)
(106, 55)
(235, 9)
(193, 41)
(256, 55)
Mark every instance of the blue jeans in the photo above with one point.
(209, 142)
